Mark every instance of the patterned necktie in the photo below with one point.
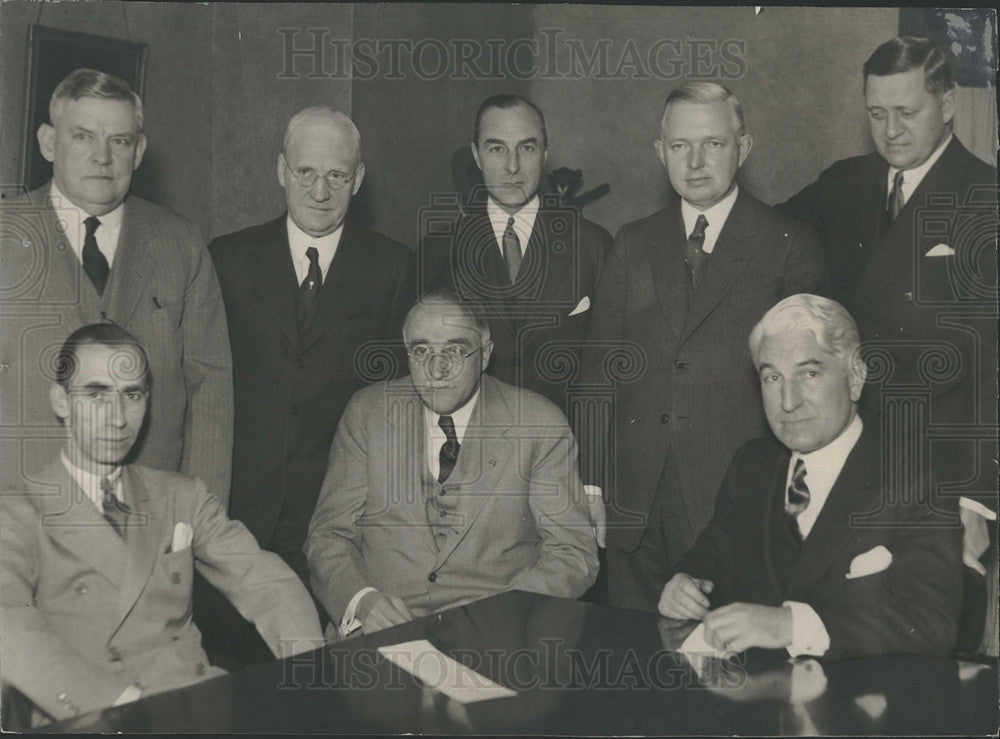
(511, 250)
(113, 509)
(693, 253)
(895, 203)
(448, 455)
(798, 496)
(309, 290)
(95, 264)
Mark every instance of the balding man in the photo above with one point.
(302, 293)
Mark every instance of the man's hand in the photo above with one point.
(976, 540)
(378, 611)
(598, 517)
(685, 597)
(739, 626)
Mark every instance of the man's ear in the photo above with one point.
(475, 155)
(487, 352)
(140, 149)
(47, 141)
(948, 105)
(59, 399)
(661, 152)
(359, 177)
(281, 168)
(746, 144)
(857, 373)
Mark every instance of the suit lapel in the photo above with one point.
(667, 266)
(273, 276)
(772, 491)
(482, 459)
(71, 519)
(345, 288)
(133, 265)
(734, 249)
(481, 273)
(406, 459)
(145, 533)
(851, 494)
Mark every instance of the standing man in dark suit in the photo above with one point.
(682, 288)
(793, 557)
(910, 238)
(303, 293)
(528, 263)
(92, 252)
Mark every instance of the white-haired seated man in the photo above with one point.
(790, 559)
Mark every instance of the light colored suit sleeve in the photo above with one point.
(567, 564)
(259, 584)
(34, 657)
(333, 547)
(208, 378)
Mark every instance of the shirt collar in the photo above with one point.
(912, 177)
(524, 219)
(90, 483)
(299, 240)
(111, 222)
(833, 455)
(716, 215)
(460, 417)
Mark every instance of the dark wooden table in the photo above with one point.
(578, 669)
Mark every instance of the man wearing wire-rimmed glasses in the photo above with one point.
(447, 486)
(303, 293)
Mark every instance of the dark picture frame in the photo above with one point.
(52, 54)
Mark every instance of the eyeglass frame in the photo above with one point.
(316, 175)
(455, 361)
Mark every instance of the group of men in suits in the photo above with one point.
(461, 479)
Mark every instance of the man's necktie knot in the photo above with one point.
(95, 264)
(798, 491)
(113, 509)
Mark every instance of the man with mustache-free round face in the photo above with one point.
(682, 288)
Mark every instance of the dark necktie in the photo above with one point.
(309, 290)
(449, 450)
(895, 203)
(113, 509)
(693, 253)
(798, 496)
(511, 250)
(95, 264)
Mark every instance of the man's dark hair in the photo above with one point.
(506, 102)
(469, 311)
(132, 361)
(904, 53)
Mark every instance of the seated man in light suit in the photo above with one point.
(96, 559)
(790, 558)
(447, 486)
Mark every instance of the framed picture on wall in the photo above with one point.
(54, 53)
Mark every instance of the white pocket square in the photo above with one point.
(941, 250)
(183, 535)
(872, 561)
(583, 305)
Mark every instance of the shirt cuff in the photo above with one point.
(593, 491)
(975, 505)
(809, 635)
(349, 624)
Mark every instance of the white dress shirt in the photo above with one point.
(299, 241)
(823, 466)
(524, 221)
(716, 217)
(106, 234)
(913, 177)
(90, 483)
(434, 439)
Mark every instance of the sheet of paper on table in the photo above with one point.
(440, 672)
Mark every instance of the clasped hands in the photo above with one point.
(378, 611)
(735, 627)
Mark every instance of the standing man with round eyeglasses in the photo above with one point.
(447, 486)
(303, 293)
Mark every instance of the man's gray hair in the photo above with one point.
(469, 312)
(83, 82)
(706, 92)
(835, 330)
(322, 112)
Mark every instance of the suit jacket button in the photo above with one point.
(176, 577)
(114, 655)
(679, 364)
(104, 315)
(81, 588)
(300, 363)
(664, 418)
(294, 410)
(200, 669)
(432, 577)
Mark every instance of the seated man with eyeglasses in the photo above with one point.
(447, 486)
(97, 556)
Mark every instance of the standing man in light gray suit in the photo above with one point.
(447, 486)
(92, 252)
